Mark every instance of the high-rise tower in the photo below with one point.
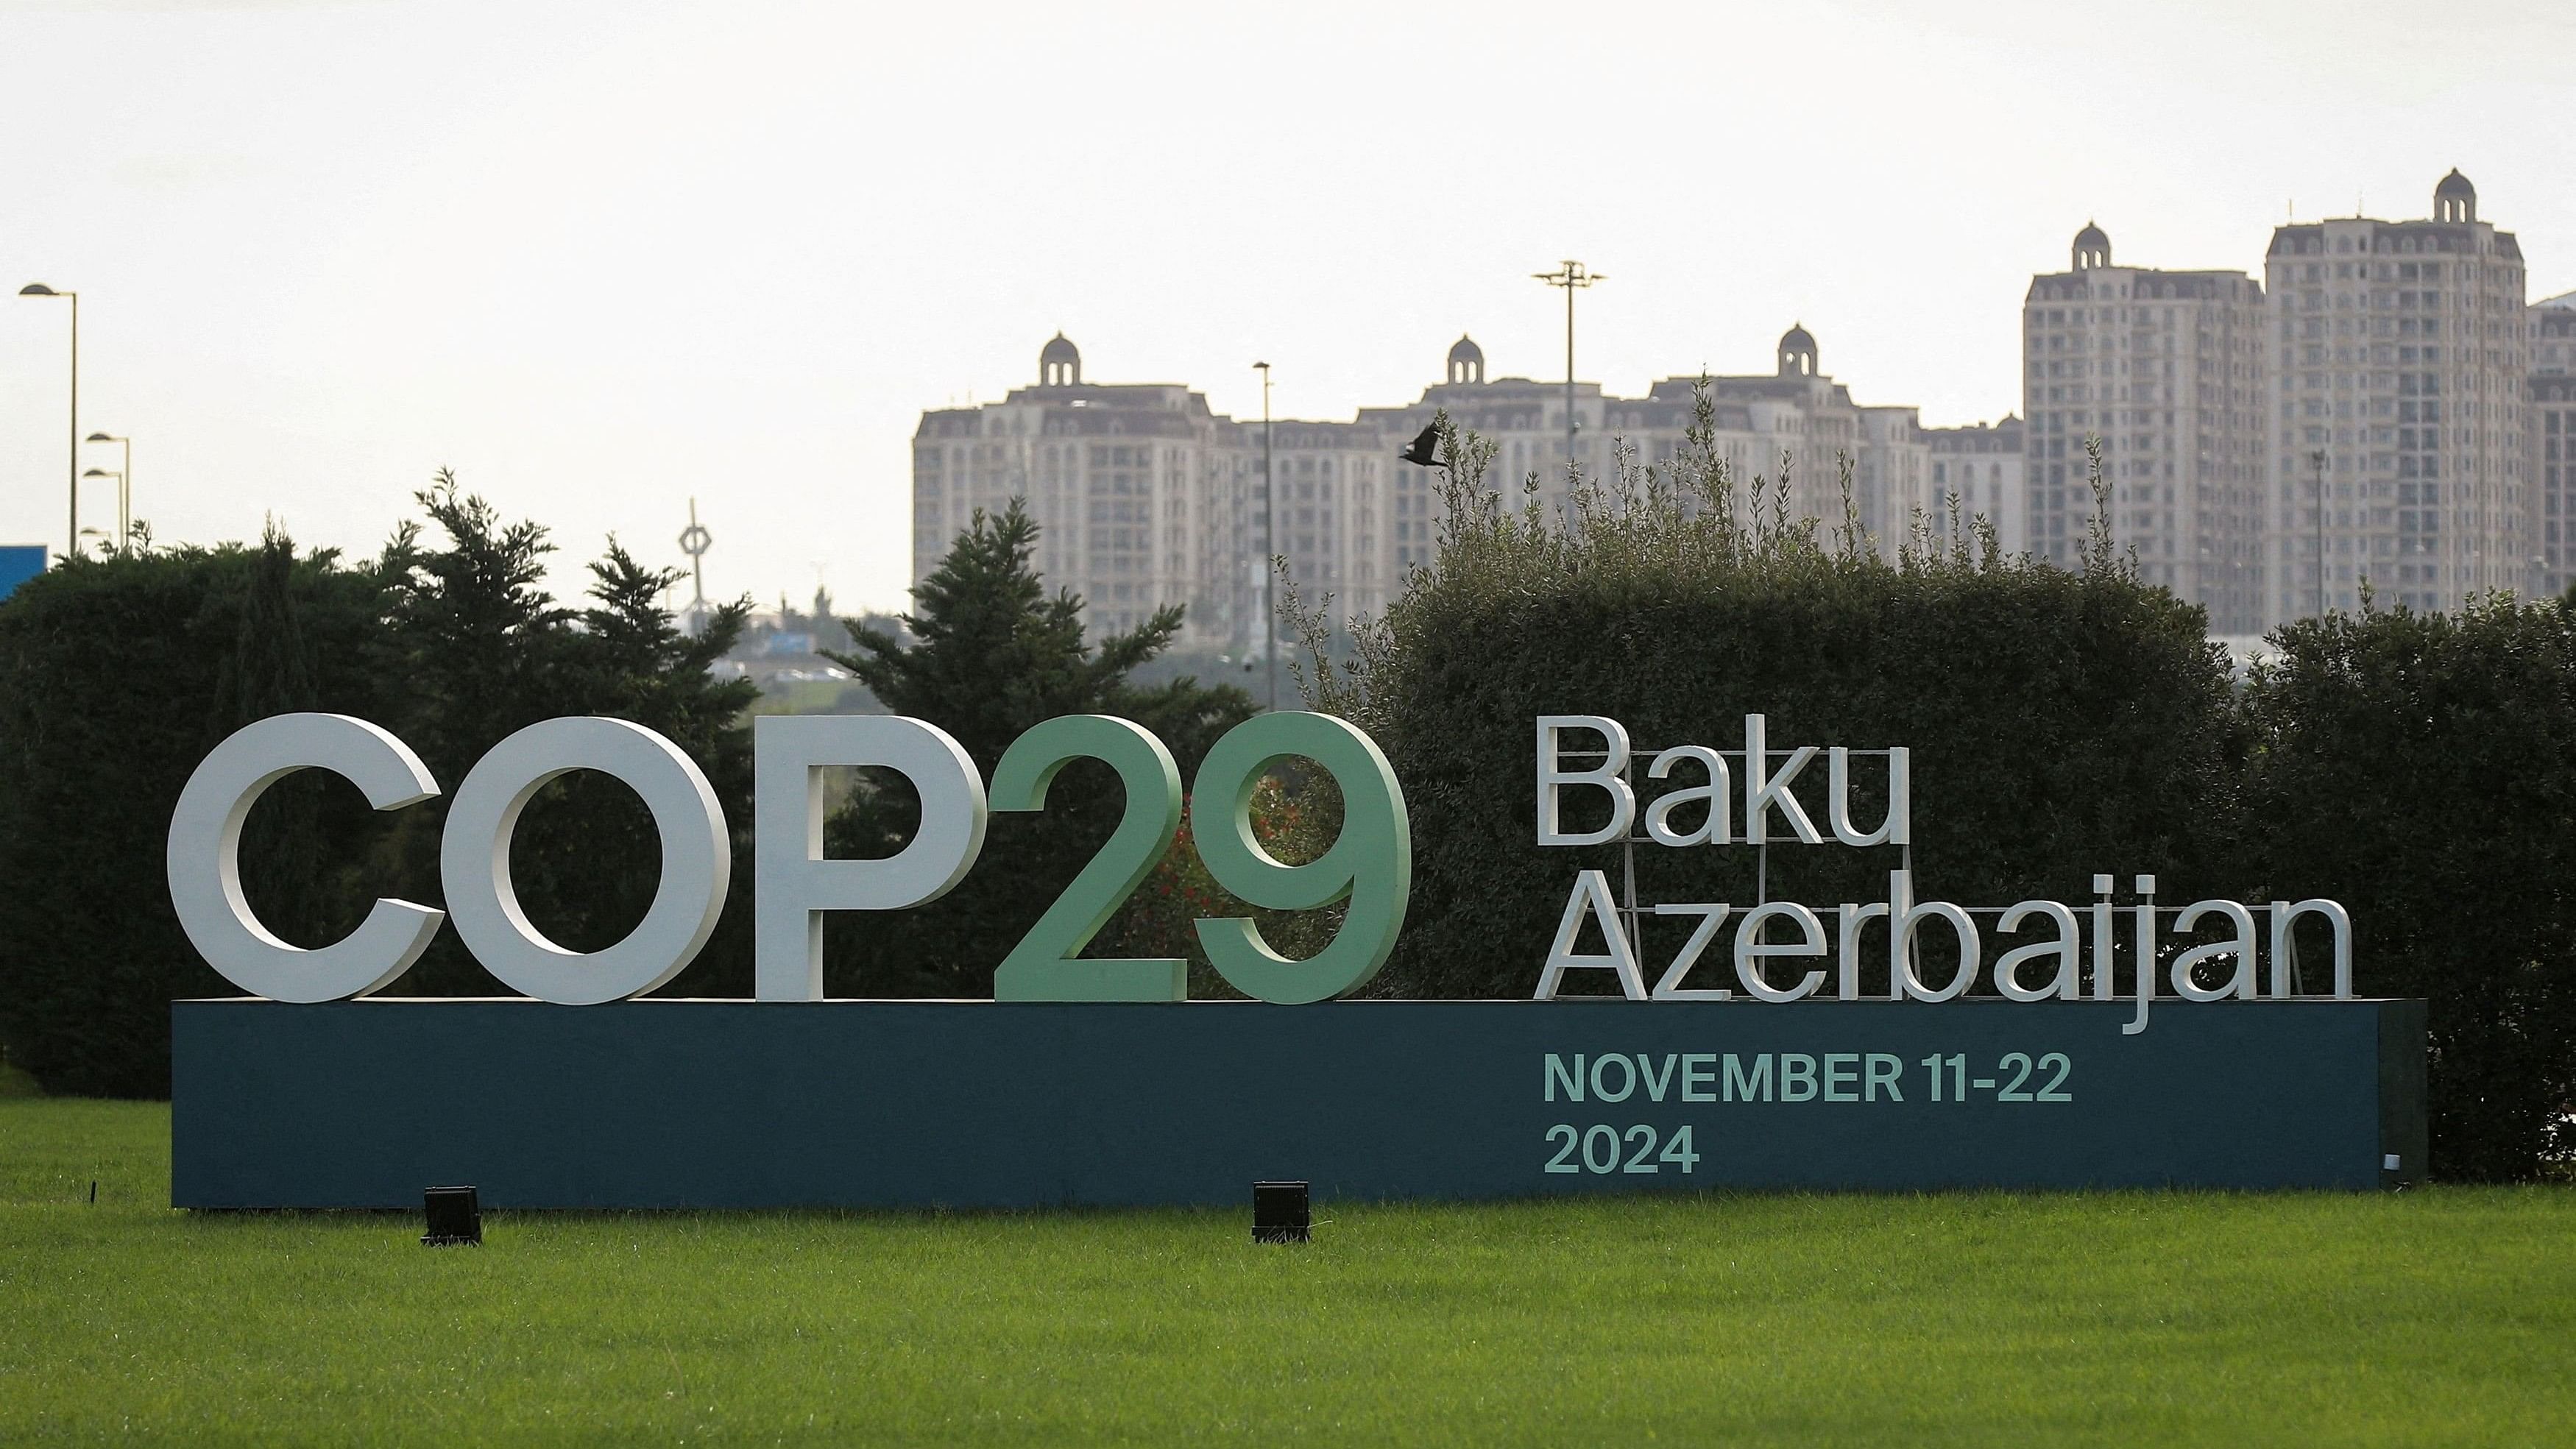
(2399, 451)
(2166, 368)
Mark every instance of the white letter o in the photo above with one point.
(474, 860)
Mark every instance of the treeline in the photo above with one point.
(119, 673)
(2419, 768)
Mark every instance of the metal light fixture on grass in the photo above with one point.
(1281, 1213)
(454, 1217)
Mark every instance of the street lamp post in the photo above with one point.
(1269, 559)
(124, 487)
(120, 497)
(71, 533)
(1569, 276)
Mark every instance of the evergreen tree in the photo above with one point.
(631, 660)
(480, 651)
(996, 655)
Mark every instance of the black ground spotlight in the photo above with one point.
(1280, 1213)
(455, 1215)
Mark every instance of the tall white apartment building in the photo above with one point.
(1145, 496)
(2166, 369)
(2549, 423)
(1334, 505)
(1981, 467)
(2399, 433)
(1134, 487)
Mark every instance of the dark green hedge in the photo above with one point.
(2421, 768)
(2060, 724)
(115, 679)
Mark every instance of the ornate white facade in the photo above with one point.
(2382, 401)
(1145, 496)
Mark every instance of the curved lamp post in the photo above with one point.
(119, 545)
(71, 532)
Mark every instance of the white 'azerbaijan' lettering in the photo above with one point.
(2052, 968)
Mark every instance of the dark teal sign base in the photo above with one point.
(731, 1104)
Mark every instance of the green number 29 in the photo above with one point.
(1370, 865)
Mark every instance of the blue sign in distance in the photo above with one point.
(19, 562)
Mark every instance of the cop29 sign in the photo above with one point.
(1369, 866)
(1789, 1073)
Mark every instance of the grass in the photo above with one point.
(2431, 1317)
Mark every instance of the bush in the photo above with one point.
(116, 676)
(2421, 768)
(2060, 723)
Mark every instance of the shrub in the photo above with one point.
(116, 676)
(2060, 723)
(2421, 768)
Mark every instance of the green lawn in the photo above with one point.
(2433, 1317)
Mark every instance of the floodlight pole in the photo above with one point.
(1269, 561)
(1569, 276)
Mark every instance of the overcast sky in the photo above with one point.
(604, 258)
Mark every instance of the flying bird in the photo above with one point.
(1423, 452)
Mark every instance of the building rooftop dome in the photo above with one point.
(2092, 248)
(1059, 363)
(1797, 352)
(2454, 199)
(1466, 360)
